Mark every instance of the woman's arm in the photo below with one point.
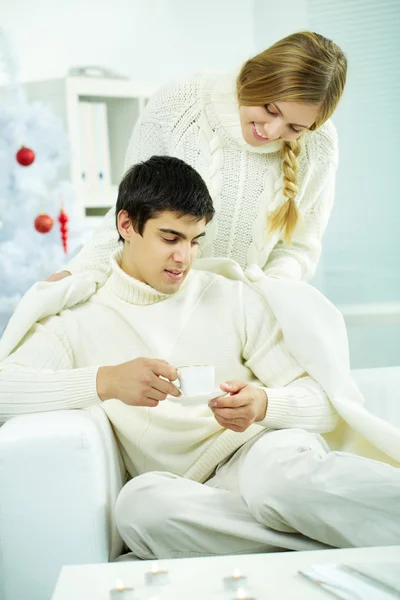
(95, 255)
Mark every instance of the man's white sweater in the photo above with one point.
(210, 320)
(197, 119)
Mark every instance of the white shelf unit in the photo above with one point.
(124, 100)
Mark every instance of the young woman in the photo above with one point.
(263, 143)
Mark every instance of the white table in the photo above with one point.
(271, 576)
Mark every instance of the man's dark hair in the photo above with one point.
(163, 183)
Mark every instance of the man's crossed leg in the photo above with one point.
(283, 490)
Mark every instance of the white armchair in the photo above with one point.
(60, 475)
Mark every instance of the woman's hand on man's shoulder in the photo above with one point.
(58, 276)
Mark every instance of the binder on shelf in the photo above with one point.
(99, 111)
(95, 153)
(86, 147)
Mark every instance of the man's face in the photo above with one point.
(163, 255)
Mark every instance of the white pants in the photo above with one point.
(283, 490)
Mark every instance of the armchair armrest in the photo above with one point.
(60, 474)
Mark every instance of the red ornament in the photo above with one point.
(63, 220)
(43, 223)
(25, 156)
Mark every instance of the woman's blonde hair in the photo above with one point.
(303, 67)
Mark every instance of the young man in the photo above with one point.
(248, 473)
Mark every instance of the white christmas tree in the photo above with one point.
(33, 148)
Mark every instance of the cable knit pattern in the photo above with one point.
(197, 119)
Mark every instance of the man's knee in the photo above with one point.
(145, 503)
(276, 472)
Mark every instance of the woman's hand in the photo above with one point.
(58, 276)
(245, 405)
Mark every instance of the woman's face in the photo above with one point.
(276, 121)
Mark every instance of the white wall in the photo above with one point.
(147, 40)
(275, 20)
(361, 245)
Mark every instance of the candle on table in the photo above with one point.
(235, 581)
(121, 592)
(156, 576)
(241, 595)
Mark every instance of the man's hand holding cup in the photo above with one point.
(138, 382)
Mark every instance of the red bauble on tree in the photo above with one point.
(63, 220)
(43, 223)
(25, 156)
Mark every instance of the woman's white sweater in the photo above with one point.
(197, 120)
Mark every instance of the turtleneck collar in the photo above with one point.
(224, 103)
(129, 289)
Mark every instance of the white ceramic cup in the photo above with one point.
(196, 380)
